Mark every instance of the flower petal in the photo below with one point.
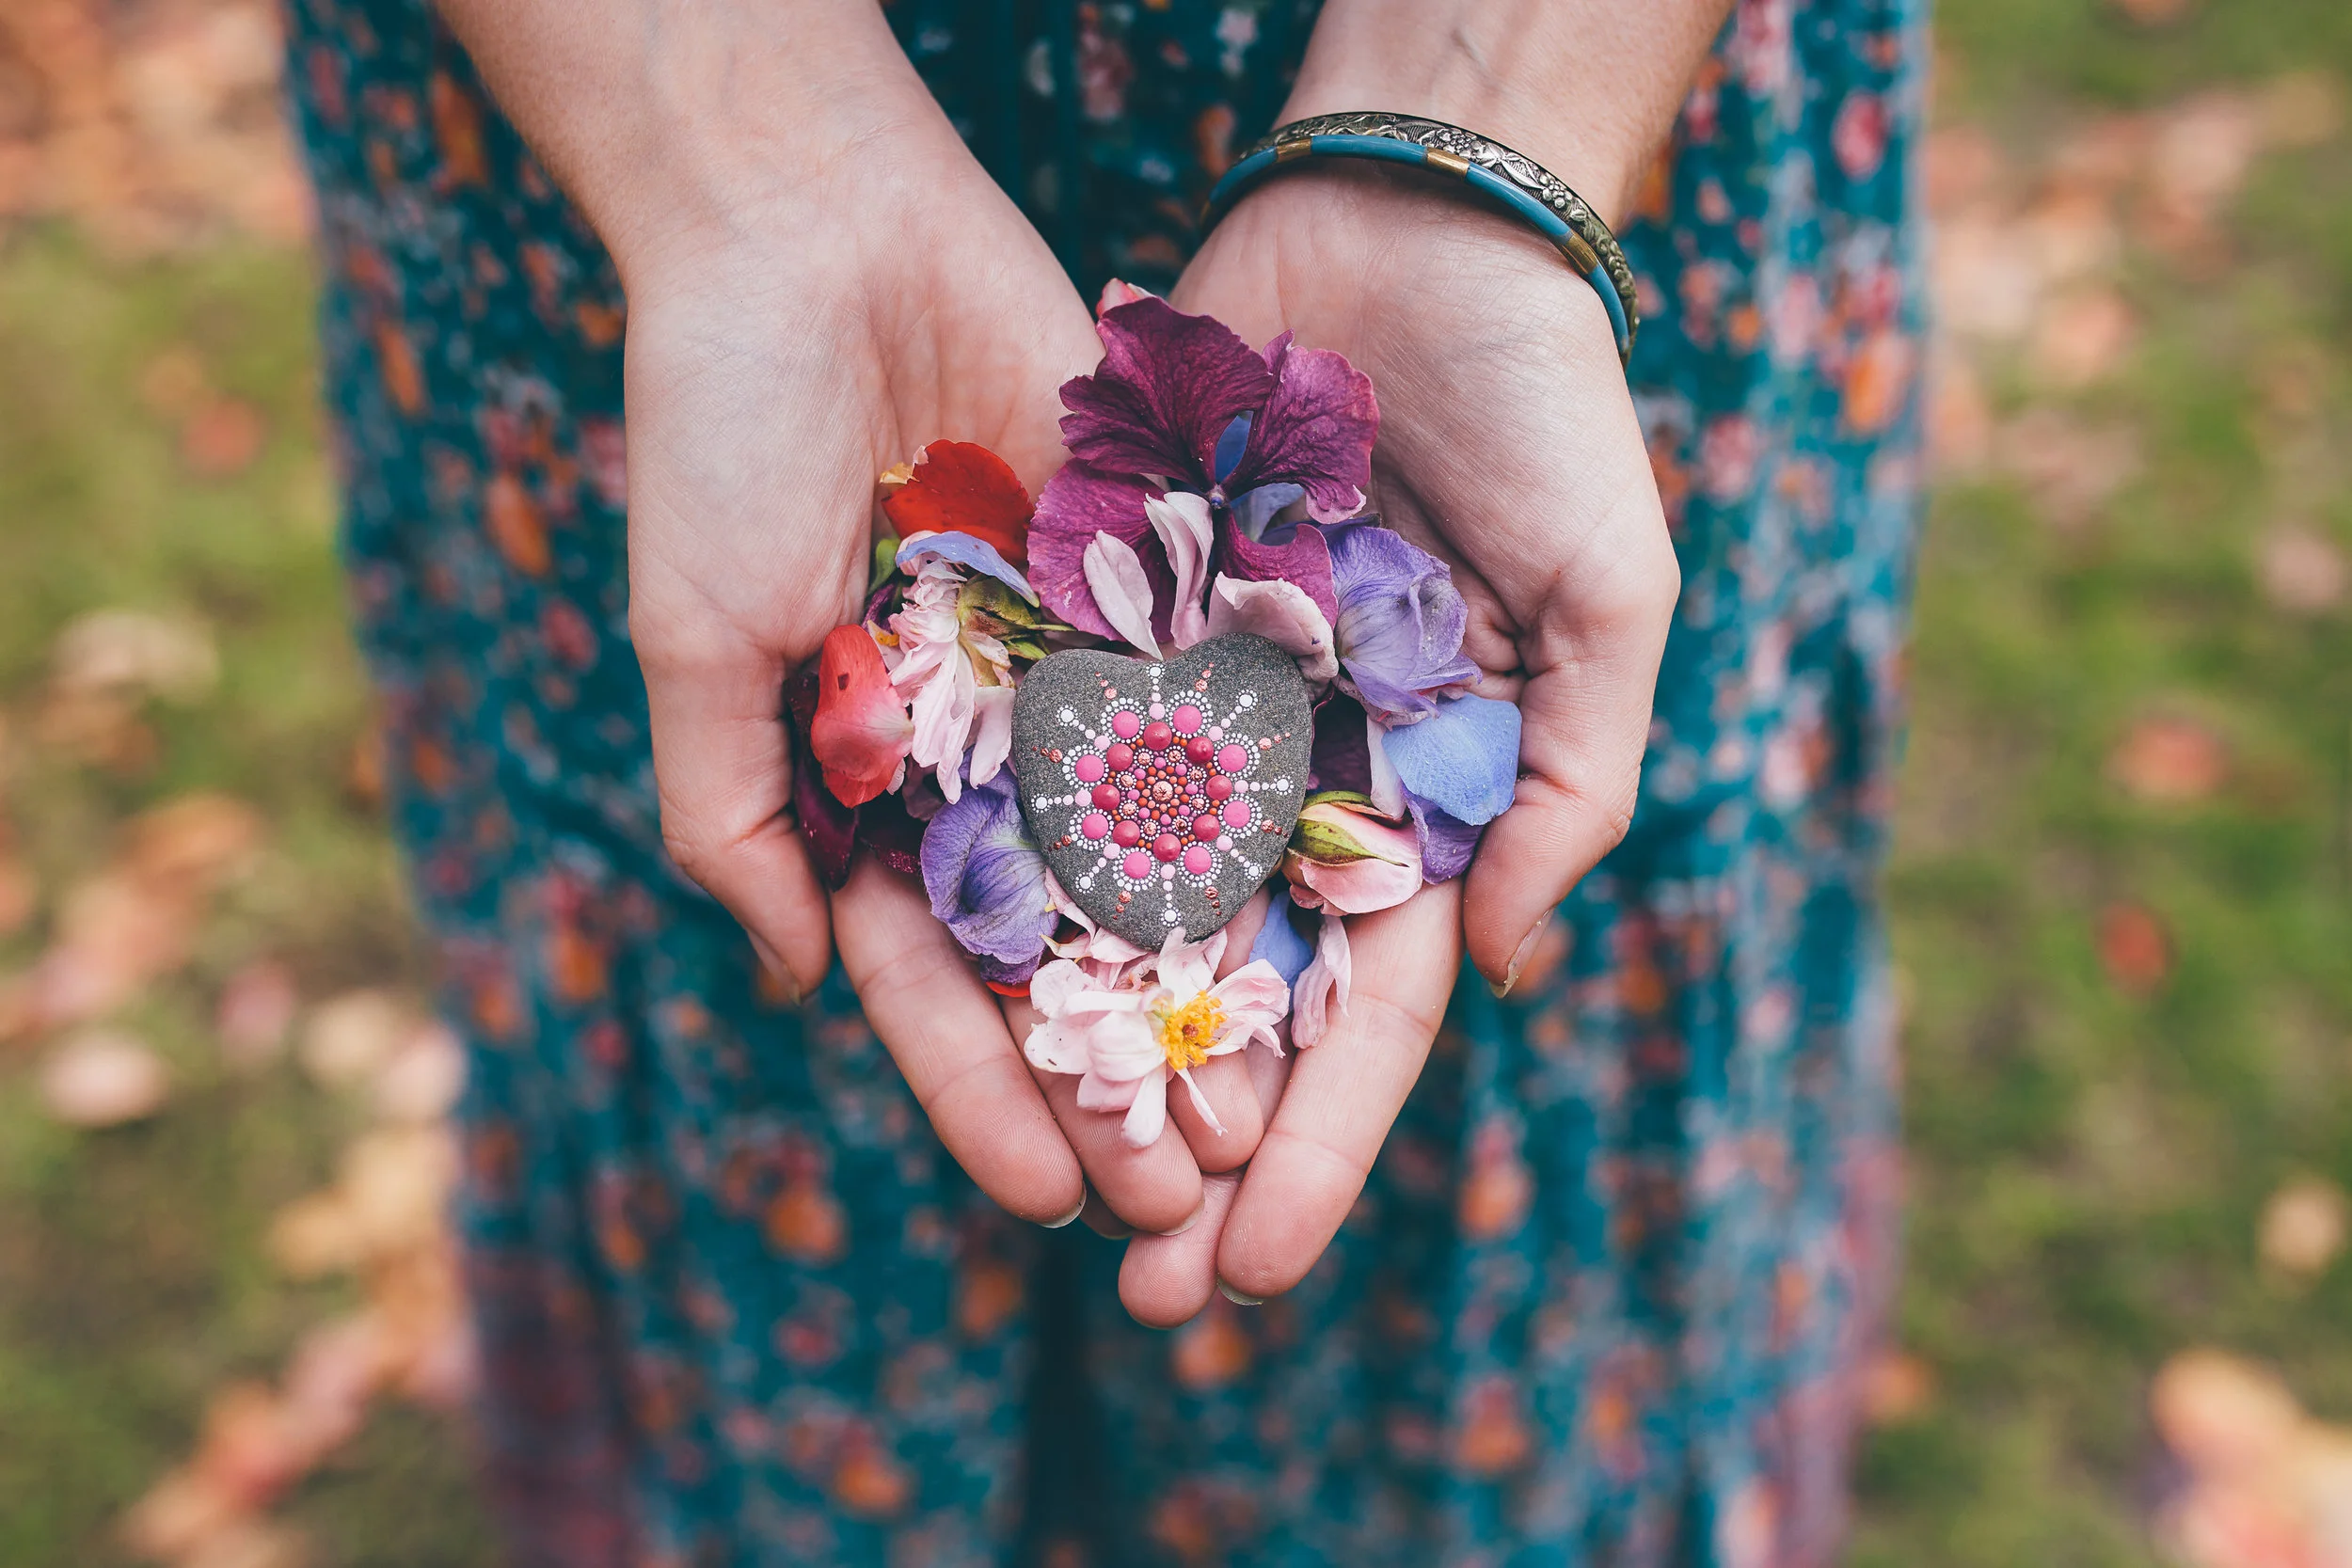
(1052, 987)
(1316, 431)
(1121, 592)
(1306, 561)
(1386, 789)
(1279, 944)
(1282, 615)
(1321, 990)
(986, 879)
(1201, 1102)
(861, 729)
(1386, 873)
(1077, 503)
(959, 487)
(1464, 758)
(1181, 521)
(828, 827)
(1448, 843)
(1400, 623)
(1169, 385)
(1188, 967)
(1254, 511)
(944, 705)
(1256, 988)
(1055, 1046)
(991, 731)
(1148, 1114)
(964, 550)
(1098, 1093)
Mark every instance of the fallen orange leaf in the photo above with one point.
(2170, 760)
(2133, 948)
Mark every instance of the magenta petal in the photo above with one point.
(1168, 386)
(1076, 503)
(1305, 561)
(1316, 431)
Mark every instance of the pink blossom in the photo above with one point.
(940, 668)
(1123, 1030)
(1345, 857)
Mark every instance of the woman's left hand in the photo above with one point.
(1509, 448)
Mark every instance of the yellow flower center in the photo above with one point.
(1188, 1032)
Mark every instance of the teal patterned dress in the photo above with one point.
(1607, 1296)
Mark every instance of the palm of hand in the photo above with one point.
(1508, 446)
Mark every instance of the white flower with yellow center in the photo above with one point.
(1124, 1036)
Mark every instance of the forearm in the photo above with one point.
(1586, 87)
(660, 117)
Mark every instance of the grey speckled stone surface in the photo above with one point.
(1148, 837)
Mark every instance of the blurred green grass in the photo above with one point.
(133, 1278)
(2088, 1164)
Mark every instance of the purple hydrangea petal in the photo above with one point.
(1076, 503)
(985, 878)
(1305, 561)
(975, 555)
(1278, 941)
(1317, 429)
(1168, 386)
(1447, 842)
(1464, 758)
(1400, 623)
(1254, 510)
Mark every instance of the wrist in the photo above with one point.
(1588, 91)
(685, 132)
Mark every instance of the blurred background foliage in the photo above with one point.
(2122, 890)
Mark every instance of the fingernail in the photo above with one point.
(1188, 1224)
(1078, 1209)
(1519, 957)
(778, 971)
(1236, 1297)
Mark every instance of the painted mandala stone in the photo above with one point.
(1163, 793)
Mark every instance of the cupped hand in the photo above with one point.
(777, 362)
(1509, 447)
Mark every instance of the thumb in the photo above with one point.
(724, 767)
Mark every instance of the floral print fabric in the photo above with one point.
(1606, 1296)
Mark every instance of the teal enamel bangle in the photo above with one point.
(1511, 179)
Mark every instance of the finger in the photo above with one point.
(1165, 1280)
(1156, 1188)
(944, 1029)
(1584, 724)
(724, 774)
(1099, 1219)
(1224, 1080)
(1343, 1095)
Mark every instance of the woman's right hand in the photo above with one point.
(820, 280)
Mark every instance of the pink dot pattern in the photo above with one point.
(1162, 789)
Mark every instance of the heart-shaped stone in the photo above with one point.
(1162, 794)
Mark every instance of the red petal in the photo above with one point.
(962, 489)
(861, 730)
